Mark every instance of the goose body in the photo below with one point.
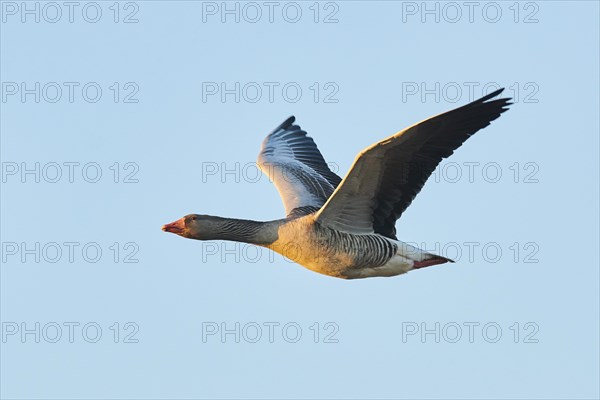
(345, 255)
(346, 228)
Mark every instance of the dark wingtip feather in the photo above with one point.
(285, 124)
(489, 101)
(289, 121)
(490, 96)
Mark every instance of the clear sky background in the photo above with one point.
(515, 317)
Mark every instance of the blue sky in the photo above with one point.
(130, 115)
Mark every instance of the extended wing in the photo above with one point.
(293, 162)
(386, 177)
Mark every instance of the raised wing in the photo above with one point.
(294, 164)
(386, 177)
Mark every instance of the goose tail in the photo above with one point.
(431, 260)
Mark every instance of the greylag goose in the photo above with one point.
(345, 228)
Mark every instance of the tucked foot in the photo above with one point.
(432, 261)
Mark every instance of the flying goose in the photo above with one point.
(346, 228)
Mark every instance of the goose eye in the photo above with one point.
(193, 218)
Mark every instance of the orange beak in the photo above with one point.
(177, 227)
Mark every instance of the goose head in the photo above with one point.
(192, 226)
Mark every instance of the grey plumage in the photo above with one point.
(293, 162)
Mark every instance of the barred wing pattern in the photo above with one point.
(295, 165)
